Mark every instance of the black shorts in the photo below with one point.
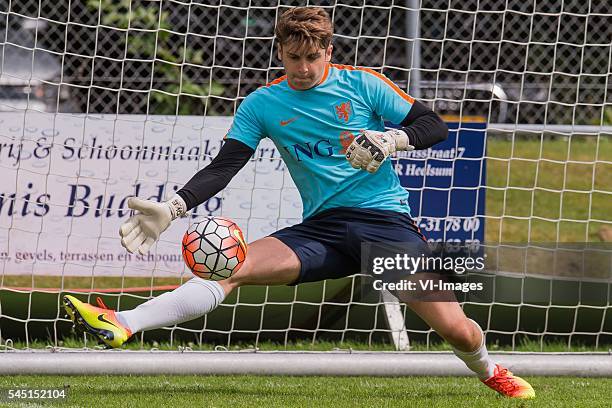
(329, 244)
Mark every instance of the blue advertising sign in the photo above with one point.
(447, 184)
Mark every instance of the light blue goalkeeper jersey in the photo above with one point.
(313, 128)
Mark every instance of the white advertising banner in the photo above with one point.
(65, 180)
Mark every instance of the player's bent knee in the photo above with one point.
(460, 335)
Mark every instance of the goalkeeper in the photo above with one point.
(349, 190)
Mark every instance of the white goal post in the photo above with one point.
(383, 364)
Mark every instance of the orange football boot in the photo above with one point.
(509, 385)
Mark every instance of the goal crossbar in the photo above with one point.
(334, 363)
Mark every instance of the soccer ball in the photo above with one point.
(214, 248)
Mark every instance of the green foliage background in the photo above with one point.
(148, 37)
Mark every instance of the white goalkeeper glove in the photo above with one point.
(142, 230)
(371, 148)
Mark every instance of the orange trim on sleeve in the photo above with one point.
(386, 80)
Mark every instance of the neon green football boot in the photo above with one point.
(100, 322)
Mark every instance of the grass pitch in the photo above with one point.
(250, 391)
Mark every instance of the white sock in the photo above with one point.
(478, 361)
(192, 299)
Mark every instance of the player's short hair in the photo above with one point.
(310, 27)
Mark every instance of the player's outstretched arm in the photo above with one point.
(422, 128)
(152, 218)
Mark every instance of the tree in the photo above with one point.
(148, 43)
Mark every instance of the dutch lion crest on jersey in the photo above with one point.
(343, 111)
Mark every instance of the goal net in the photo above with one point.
(101, 100)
